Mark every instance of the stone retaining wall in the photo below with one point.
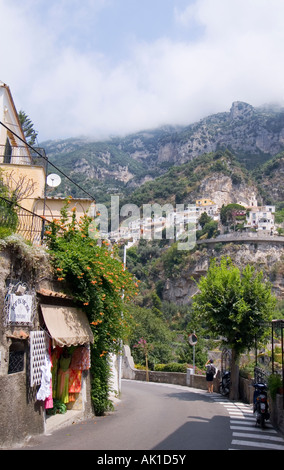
(178, 378)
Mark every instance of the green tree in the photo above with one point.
(146, 324)
(28, 128)
(236, 306)
(229, 214)
(204, 219)
(210, 230)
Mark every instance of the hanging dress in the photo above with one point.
(75, 380)
(81, 359)
(44, 390)
(55, 355)
(63, 379)
(49, 400)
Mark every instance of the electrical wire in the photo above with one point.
(46, 159)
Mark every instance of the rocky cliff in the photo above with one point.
(252, 134)
(267, 257)
(270, 178)
(222, 190)
(217, 176)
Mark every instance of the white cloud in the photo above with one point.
(67, 90)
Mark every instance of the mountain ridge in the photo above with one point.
(121, 164)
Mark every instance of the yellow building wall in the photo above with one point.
(204, 202)
(30, 178)
(52, 206)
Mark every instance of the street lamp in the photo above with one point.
(192, 339)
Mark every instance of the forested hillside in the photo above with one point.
(228, 157)
(119, 165)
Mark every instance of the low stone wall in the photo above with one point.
(199, 381)
(246, 390)
(277, 412)
(245, 237)
(178, 378)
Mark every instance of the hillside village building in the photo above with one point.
(44, 338)
(261, 218)
(21, 171)
(208, 206)
(258, 218)
(24, 170)
(12, 148)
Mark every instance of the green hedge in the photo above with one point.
(171, 367)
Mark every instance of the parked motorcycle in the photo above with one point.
(225, 383)
(261, 407)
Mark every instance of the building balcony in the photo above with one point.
(22, 155)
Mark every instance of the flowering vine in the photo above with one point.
(96, 278)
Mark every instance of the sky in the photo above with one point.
(101, 68)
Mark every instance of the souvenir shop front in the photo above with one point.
(64, 382)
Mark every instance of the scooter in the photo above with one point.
(261, 408)
(225, 383)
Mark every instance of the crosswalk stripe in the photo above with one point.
(259, 436)
(244, 433)
(241, 410)
(251, 429)
(263, 445)
(243, 422)
(243, 418)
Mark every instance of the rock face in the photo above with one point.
(120, 173)
(272, 179)
(244, 130)
(241, 110)
(266, 257)
(221, 190)
(170, 153)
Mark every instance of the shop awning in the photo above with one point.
(68, 326)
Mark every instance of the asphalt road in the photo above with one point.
(148, 416)
(159, 419)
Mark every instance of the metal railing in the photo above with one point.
(276, 362)
(38, 154)
(24, 156)
(260, 375)
(28, 224)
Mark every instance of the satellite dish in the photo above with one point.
(53, 180)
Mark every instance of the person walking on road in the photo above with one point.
(210, 373)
